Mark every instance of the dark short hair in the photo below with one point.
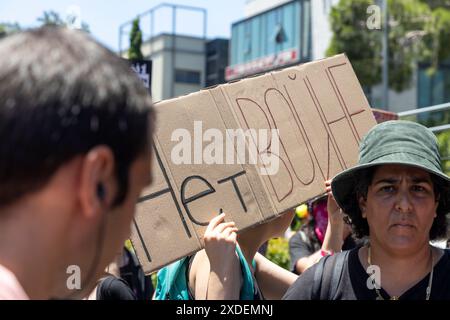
(61, 94)
(362, 179)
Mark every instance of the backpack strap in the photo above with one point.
(328, 275)
(248, 287)
(133, 274)
(317, 283)
(338, 270)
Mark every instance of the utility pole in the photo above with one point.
(385, 56)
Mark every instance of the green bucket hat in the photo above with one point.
(392, 142)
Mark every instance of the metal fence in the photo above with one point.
(437, 118)
(423, 115)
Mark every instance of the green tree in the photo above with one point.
(53, 18)
(8, 28)
(348, 22)
(437, 3)
(444, 148)
(418, 32)
(278, 252)
(134, 51)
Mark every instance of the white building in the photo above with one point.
(178, 64)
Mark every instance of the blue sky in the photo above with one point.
(104, 17)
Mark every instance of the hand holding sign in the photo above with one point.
(220, 243)
(334, 212)
(319, 114)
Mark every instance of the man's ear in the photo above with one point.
(97, 186)
(362, 202)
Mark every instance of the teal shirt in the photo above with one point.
(173, 282)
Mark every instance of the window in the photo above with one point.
(271, 30)
(255, 31)
(282, 28)
(234, 45)
(247, 40)
(290, 17)
(187, 76)
(212, 52)
(280, 35)
(211, 66)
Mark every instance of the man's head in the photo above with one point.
(398, 191)
(75, 137)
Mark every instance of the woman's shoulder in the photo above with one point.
(199, 271)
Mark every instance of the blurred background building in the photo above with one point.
(278, 33)
(275, 34)
(182, 63)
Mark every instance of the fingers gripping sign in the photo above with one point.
(333, 209)
(219, 277)
(220, 241)
(336, 231)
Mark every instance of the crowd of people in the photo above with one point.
(76, 131)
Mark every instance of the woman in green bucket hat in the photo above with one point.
(398, 197)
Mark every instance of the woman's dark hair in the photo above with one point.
(61, 94)
(440, 224)
(362, 179)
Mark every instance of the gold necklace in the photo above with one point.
(430, 281)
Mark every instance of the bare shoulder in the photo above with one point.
(198, 263)
(200, 272)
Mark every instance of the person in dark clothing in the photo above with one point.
(353, 285)
(304, 244)
(113, 288)
(398, 197)
(132, 273)
(125, 280)
(308, 245)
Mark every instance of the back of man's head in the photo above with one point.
(61, 94)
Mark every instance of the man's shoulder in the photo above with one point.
(10, 288)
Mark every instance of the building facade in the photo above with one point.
(277, 34)
(216, 61)
(179, 64)
(184, 64)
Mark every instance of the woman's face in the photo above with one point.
(400, 207)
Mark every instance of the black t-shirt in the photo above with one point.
(353, 284)
(301, 246)
(112, 288)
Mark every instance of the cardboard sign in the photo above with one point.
(319, 113)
